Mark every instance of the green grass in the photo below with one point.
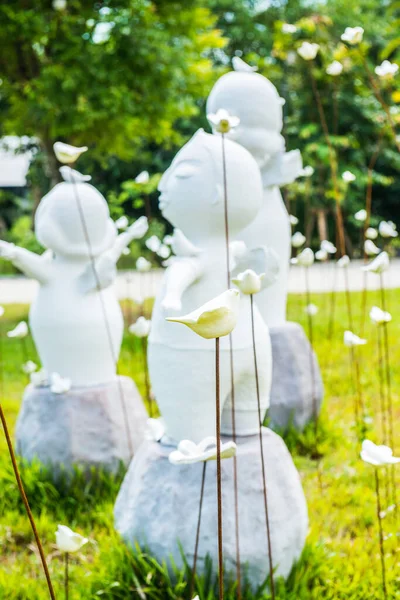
(341, 559)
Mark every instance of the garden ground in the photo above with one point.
(341, 559)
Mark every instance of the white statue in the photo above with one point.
(181, 363)
(76, 320)
(256, 102)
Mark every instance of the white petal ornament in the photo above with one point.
(69, 541)
(321, 255)
(216, 318)
(343, 262)
(335, 68)
(386, 70)
(141, 328)
(39, 378)
(308, 50)
(379, 316)
(249, 282)
(361, 215)
(304, 259)
(298, 239)
(293, 220)
(379, 265)
(378, 456)
(66, 153)
(153, 243)
(386, 230)
(29, 367)
(163, 251)
(142, 178)
(351, 339)
(328, 247)
(59, 385)
(370, 248)
(288, 28)
(143, 265)
(222, 121)
(371, 233)
(20, 331)
(122, 222)
(189, 453)
(348, 176)
(352, 35)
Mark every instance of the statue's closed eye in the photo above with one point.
(184, 171)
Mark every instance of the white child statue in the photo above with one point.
(76, 320)
(296, 388)
(181, 363)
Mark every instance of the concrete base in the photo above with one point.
(158, 507)
(297, 389)
(84, 427)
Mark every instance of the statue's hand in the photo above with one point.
(171, 303)
(7, 250)
(139, 228)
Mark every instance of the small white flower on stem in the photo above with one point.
(143, 265)
(189, 453)
(379, 316)
(29, 367)
(343, 262)
(222, 121)
(380, 264)
(386, 230)
(66, 153)
(141, 328)
(304, 259)
(216, 318)
(293, 220)
(288, 28)
(122, 222)
(20, 331)
(352, 35)
(59, 385)
(321, 255)
(59, 4)
(308, 50)
(69, 541)
(163, 251)
(361, 215)
(240, 66)
(249, 282)
(386, 70)
(298, 239)
(73, 176)
(348, 176)
(370, 248)
(378, 456)
(153, 243)
(155, 430)
(335, 68)
(311, 309)
(142, 178)
(328, 247)
(371, 233)
(308, 171)
(39, 378)
(350, 340)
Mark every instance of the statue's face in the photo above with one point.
(187, 188)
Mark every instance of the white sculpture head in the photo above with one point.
(59, 226)
(255, 100)
(192, 191)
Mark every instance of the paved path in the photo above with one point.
(323, 277)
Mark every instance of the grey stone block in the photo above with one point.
(84, 427)
(158, 507)
(297, 389)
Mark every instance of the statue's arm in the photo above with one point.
(134, 232)
(31, 264)
(181, 274)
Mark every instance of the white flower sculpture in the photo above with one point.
(378, 456)
(189, 453)
(387, 230)
(321, 255)
(370, 248)
(361, 215)
(371, 233)
(298, 239)
(216, 318)
(379, 265)
(59, 385)
(379, 316)
(68, 541)
(293, 220)
(308, 50)
(141, 328)
(335, 68)
(304, 259)
(153, 243)
(222, 121)
(142, 178)
(39, 378)
(20, 331)
(29, 367)
(348, 176)
(351, 339)
(353, 35)
(328, 247)
(143, 265)
(343, 262)
(386, 70)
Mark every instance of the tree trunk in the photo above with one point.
(322, 226)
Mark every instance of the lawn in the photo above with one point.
(341, 559)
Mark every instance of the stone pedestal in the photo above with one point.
(297, 388)
(158, 507)
(85, 427)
